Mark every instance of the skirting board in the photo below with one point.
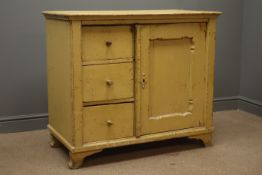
(238, 102)
(23, 123)
(39, 121)
(225, 103)
(250, 105)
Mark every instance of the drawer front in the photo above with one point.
(107, 82)
(108, 122)
(107, 42)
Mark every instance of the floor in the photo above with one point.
(237, 150)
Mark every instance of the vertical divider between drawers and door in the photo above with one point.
(137, 72)
(77, 83)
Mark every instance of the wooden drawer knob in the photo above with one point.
(109, 82)
(108, 43)
(109, 122)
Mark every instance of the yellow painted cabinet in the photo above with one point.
(126, 77)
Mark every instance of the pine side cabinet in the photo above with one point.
(117, 78)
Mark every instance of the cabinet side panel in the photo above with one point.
(58, 40)
(210, 52)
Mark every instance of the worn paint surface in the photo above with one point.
(59, 77)
(114, 82)
(107, 43)
(108, 82)
(108, 122)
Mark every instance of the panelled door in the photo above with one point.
(172, 74)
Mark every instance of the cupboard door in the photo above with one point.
(173, 79)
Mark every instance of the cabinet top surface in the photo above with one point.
(128, 13)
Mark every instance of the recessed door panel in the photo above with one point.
(172, 76)
(169, 76)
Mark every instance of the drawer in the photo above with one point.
(106, 43)
(108, 122)
(108, 82)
